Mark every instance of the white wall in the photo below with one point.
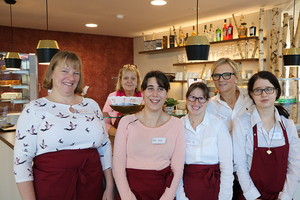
(164, 61)
(8, 187)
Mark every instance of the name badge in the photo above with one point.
(85, 112)
(192, 142)
(277, 136)
(222, 117)
(160, 140)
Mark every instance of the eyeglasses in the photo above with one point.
(129, 65)
(259, 91)
(200, 99)
(226, 76)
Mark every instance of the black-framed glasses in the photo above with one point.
(200, 99)
(226, 76)
(259, 91)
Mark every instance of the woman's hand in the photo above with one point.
(108, 194)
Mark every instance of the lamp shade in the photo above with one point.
(12, 60)
(291, 57)
(45, 50)
(197, 48)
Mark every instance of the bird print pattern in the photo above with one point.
(46, 126)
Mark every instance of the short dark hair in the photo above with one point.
(264, 75)
(274, 81)
(199, 85)
(161, 79)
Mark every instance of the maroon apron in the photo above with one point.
(148, 184)
(201, 181)
(268, 172)
(68, 175)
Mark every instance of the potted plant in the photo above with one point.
(169, 105)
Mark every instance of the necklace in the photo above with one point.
(269, 145)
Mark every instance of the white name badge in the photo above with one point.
(222, 117)
(85, 112)
(160, 140)
(192, 142)
(277, 136)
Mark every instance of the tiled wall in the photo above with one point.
(102, 56)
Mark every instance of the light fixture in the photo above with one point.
(12, 59)
(91, 25)
(197, 47)
(291, 56)
(158, 2)
(46, 49)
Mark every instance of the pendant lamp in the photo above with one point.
(291, 56)
(46, 49)
(12, 59)
(197, 47)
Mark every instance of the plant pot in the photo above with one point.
(169, 109)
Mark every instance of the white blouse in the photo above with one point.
(243, 151)
(209, 144)
(45, 126)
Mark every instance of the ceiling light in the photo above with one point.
(291, 56)
(197, 47)
(46, 49)
(12, 59)
(91, 25)
(158, 2)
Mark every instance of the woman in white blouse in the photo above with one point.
(208, 160)
(266, 144)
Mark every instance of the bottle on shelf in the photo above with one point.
(211, 34)
(230, 31)
(205, 31)
(186, 37)
(225, 30)
(193, 33)
(181, 38)
(252, 30)
(218, 34)
(243, 30)
(171, 39)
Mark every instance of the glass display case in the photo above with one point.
(17, 88)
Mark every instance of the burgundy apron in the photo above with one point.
(268, 172)
(120, 94)
(148, 184)
(201, 181)
(68, 175)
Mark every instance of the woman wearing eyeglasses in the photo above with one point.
(231, 101)
(129, 84)
(266, 144)
(208, 159)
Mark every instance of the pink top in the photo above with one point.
(134, 149)
(110, 121)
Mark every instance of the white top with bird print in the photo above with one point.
(46, 126)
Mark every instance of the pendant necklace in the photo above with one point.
(269, 145)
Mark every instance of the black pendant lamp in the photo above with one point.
(197, 47)
(291, 56)
(12, 59)
(46, 49)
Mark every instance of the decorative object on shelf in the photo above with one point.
(291, 56)
(197, 47)
(12, 59)
(169, 105)
(46, 49)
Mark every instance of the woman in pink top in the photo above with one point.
(129, 84)
(149, 147)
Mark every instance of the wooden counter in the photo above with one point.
(8, 137)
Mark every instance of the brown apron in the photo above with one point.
(268, 172)
(68, 175)
(201, 181)
(148, 184)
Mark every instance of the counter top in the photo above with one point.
(8, 137)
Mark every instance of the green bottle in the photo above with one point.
(218, 34)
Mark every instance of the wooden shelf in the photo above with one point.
(211, 43)
(211, 62)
